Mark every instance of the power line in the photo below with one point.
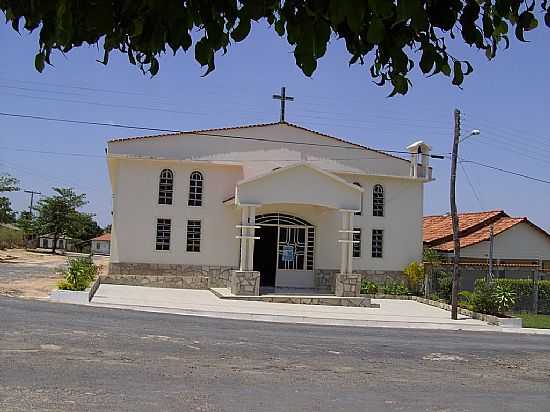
(474, 191)
(349, 146)
(506, 171)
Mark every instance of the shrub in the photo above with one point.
(444, 286)
(415, 276)
(492, 298)
(79, 274)
(505, 297)
(368, 287)
(523, 290)
(392, 287)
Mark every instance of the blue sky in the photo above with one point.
(506, 99)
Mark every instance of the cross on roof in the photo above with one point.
(283, 98)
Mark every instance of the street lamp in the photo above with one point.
(454, 213)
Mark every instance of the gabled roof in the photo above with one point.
(474, 228)
(221, 129)
(104, 236)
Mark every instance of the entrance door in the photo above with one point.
(265, 255)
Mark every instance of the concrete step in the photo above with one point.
(328, 300)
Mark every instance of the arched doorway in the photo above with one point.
(284, 254)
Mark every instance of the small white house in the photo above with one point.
(63, 242)
(101, 245)
(295, 206)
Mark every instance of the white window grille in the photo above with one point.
(360, 211)
(377, 243)
(166, 187)
(164, 228)
(195, 189)
(378, 201)
(357, 246)
(193, 235)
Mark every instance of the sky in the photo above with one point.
(506, 99)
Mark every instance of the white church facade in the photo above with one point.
(262, 206)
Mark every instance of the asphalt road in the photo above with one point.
(73, 358)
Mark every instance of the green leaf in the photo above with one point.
(280, 27)
(458, 75)
(376, 31)
(39, 62)
(154, 68)
(427, 61)
(242, 30)
(547, 18)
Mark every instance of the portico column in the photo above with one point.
(346, 242)
(244, 239)
(251, 233)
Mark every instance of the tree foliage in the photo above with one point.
(7, 215)
(393, 36)
(8, 183)
(58, 214)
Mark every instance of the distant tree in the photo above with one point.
(393, 37)
(25, 222)
(8, 183)
(85, 227)
(107, 229)
(7, 215)
(58, 214)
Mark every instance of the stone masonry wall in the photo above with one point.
(168, 275)
(325, 279)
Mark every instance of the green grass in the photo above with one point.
(534, 321)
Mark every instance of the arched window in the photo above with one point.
(166, 187)
(378, 200)
(195, 189)
(360, 211)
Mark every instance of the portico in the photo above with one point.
(300, 184)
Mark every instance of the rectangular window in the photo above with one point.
(357, 246)
(193, 235)
(164, 227)
(377, 243)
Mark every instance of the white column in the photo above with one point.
(251, 233)
(343, 245)
(414, 164)
(350, 243)
(244, 239)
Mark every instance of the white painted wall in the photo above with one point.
(100, 247)
(136, 211)
(519, 242)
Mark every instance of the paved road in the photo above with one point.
(62, 357)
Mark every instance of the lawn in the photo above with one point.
(535, 321)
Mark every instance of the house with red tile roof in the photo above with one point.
(515, 239)
(101, 245)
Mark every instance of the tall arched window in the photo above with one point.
(378, 200)
(360, 211)
(166, 187)
(195, 189)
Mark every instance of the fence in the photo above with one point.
(530, 282)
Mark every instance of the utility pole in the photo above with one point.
(491, 251)
(454, 216)
(32, 193)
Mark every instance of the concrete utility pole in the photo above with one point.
(454, 217)
(32, 193)
(491, 252)
(283, 98)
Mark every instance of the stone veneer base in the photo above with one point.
(364, 302)
(168, 275)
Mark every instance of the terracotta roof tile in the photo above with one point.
(437, 228)
(104, 236)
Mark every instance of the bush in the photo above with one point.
(465, 299)
(415, 276)
(368, 287)
(79, 274)
(444, 286)
(391, 287)
(492, 298)
(523, 291)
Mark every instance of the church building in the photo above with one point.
(264, 206)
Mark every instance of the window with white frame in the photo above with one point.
(193, 235)
(164, 228)
(378, 201)
(360, 211)
(377, 243)
(196, 181)
(357, 242)
(166, 187)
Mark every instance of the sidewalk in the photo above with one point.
(392, 313)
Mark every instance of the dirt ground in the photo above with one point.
(34, 274)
